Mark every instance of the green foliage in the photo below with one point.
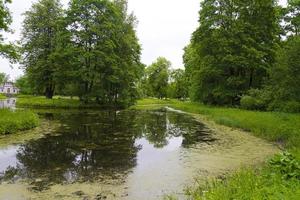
(24, 85)
(231, 50)
(14, 121)
(255, 100)
(248, 184)
(3, 78)
(106, 51)
(40, 42)
(292, 17)
(287, 165)
(178, 85)
(90, 50)
(2, 96)
(157, 78)
(282, 91)
(285, 76)
(6, 50)
(250, 103)
(278, 180)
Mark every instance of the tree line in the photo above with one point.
(89, 50)
(246, 53)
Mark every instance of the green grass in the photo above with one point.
(14, 121)
(56, 102)
(2, 96)
(249, 184)
(262, 183)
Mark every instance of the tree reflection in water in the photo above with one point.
(100, 146)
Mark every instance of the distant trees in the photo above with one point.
(158, 78)
(89, 50)
(178, 84)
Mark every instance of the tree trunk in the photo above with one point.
(251, 78)
(49, 92)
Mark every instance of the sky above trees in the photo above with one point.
(164, 28)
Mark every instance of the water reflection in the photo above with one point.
(100, 146)
(8, 103)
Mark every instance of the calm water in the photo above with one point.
(8, 103)
(113, 155)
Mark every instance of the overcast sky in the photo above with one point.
(164, 28)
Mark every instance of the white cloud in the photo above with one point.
(164, 28)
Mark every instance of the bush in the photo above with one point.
(252, 103)
(291, 106)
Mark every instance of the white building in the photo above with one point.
(9, 88)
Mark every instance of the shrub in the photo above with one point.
(287, 165)
(252, 103)
(291, 106)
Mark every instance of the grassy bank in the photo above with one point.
(279, 179)
(56, 102)
(14, 121)
(2, 96)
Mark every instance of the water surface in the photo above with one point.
(8, 103)
(119, 155)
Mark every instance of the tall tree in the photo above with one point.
(106, 49)
(234, 48)
(40, 40)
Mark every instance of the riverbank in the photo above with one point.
(57, 102)
(15, 121)
(279, 179)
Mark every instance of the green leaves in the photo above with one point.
(231, 50)
(157, 75)
(40, 44)
(287, 165)
(8, 51)
(90, 50)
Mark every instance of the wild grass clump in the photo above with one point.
(14, 121)
(280, 179)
